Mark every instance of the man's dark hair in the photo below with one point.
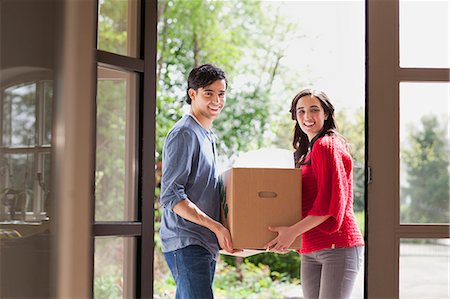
(202, 76)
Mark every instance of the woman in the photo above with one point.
(332, 244)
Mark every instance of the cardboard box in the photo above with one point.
(254, 199)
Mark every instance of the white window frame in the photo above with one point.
(38, 149)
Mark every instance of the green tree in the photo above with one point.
(244, 40)
(353, 131)
(112, 26)
(191, 33)
(110, 150)
(237, 36)
(426, 161)
(111, 115)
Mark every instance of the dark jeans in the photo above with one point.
(193, 270)
(330, 273)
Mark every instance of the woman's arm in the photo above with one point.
(288, 234)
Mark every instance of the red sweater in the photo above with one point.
(327, 190)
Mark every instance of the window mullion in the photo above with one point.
(424, 74)
(38, 157)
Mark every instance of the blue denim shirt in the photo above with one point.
(189, 171)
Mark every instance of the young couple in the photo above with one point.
(191, 232)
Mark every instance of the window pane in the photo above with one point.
(26, 114)
(114, 182)
(424, 148)
(43, 176)
(117, 30)
(17, 189)
(424, 268)
(47, 113)
(19, 116)
(424, 33)
(114, 267)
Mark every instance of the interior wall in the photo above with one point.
(28, 44)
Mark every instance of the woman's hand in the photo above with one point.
(286, 236)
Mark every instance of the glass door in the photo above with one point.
(124, 155)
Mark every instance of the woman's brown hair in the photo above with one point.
(300, 142)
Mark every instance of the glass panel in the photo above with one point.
(114, 182)
(19, 116)
(47, 113)
(43, 183)
(117, 27)
(17, 189)
(424, 148)
(424, 268)
(114, 267)
(424, 34)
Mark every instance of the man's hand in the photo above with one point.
(224, 237)
(188, 210)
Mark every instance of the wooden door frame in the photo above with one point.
(383, 77)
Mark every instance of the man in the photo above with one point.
(191, 231)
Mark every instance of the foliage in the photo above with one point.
(105, 287)
(353, 131)
(360, 219)
(111, 116)
(282, 266)
(19, 123)
(112, 26)
(255, 282)
(426, 161)
(249, 281)
(110, 163)
(17, 168)
(237, 36)
(164, 288)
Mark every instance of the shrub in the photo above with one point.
(106, 287)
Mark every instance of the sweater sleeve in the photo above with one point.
(332, 183)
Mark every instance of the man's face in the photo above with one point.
(208, 102)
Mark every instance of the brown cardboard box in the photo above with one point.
(255, 198)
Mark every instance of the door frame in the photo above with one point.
(383, 77)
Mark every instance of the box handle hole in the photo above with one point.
(267, 194)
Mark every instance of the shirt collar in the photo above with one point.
(192, 115)
(210, 132)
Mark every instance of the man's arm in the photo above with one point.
(189, 211)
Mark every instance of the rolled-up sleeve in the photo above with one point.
(178, 152)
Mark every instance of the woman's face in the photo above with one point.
(310, 115)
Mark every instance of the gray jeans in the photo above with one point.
(330, 273)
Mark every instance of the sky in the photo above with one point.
(332, 48)
(332, 52)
